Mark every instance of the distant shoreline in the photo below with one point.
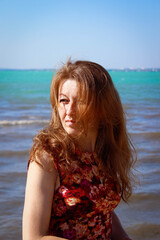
(109, 69)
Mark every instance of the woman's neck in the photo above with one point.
(87, 142)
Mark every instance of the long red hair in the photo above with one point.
(103, 103)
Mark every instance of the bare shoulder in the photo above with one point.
(40, 185)
(41, 176)
(43, 158)
(39, 195)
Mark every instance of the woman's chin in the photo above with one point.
(71, 131)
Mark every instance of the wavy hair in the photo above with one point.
(113, 145)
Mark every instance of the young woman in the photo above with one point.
(80, 165)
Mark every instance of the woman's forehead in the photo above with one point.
(69, 87)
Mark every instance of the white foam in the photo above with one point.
(22, 122)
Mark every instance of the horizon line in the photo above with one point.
(153, 69)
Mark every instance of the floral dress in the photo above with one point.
(84, 200)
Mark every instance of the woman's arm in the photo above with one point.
(118, 233)
(38, 203)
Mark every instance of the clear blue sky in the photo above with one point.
(114, 33)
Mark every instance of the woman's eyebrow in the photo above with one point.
(62, 95)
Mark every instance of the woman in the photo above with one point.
(80, 165)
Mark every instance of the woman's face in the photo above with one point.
(68, 107)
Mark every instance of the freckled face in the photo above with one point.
(68, 105)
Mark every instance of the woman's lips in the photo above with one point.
(70, 122)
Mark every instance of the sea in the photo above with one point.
(25, 109)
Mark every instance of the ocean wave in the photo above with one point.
(14, 153)
(144, 196)
(148, 135)
(152, 116)
(152, 157)
(10, 176)
(22, 122)
(145, 231)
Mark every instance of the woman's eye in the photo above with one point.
(63, 100)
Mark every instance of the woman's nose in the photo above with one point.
(70, 109)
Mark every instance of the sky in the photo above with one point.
(39, 34)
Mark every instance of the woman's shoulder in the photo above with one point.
(44, 158)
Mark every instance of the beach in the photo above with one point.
(25, 109)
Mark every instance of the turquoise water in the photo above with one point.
(25, 109)
(26, 85)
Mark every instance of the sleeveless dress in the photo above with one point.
(84, 200)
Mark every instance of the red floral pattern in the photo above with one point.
(83, 202)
